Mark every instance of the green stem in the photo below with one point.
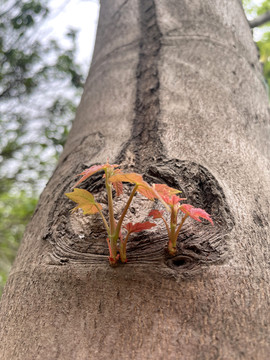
(123, 249)
(172, 238)
(119, 224)
(112, 259)
(110, 203)
(113, 241)
(173, 220)
(167, 226)
(180, 225)
(104, 221)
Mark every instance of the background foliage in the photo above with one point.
(40, 87)
(254, 8)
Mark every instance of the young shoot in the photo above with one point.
(114, 178)
(172, 204)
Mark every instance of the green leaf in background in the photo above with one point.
(15, 212)
(40, 87)
(254, 8)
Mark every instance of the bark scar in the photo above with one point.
(81, 239)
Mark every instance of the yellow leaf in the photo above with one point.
(85, 201)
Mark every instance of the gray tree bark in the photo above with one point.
(175, 92)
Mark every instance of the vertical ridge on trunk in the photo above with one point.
(147, 104)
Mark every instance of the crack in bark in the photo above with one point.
(120, 8)
(147, 105)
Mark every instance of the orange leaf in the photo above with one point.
(138, 226)
(132, 178)
(146, 191)
(85, 201)
(92, 170)
(137, 179)
(165, 190)
(118, 187)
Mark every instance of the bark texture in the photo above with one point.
(175, 92)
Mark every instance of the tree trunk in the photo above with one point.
(175, 92)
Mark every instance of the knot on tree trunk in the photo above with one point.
(78, 238)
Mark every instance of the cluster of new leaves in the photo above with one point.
(172, 204)
(114, 178)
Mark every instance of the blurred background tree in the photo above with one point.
(258, 14)
(40, 87)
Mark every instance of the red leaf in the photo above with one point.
(138, 226)
(92, 170)
(196, 213)
(156, 214)
(186, 208)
